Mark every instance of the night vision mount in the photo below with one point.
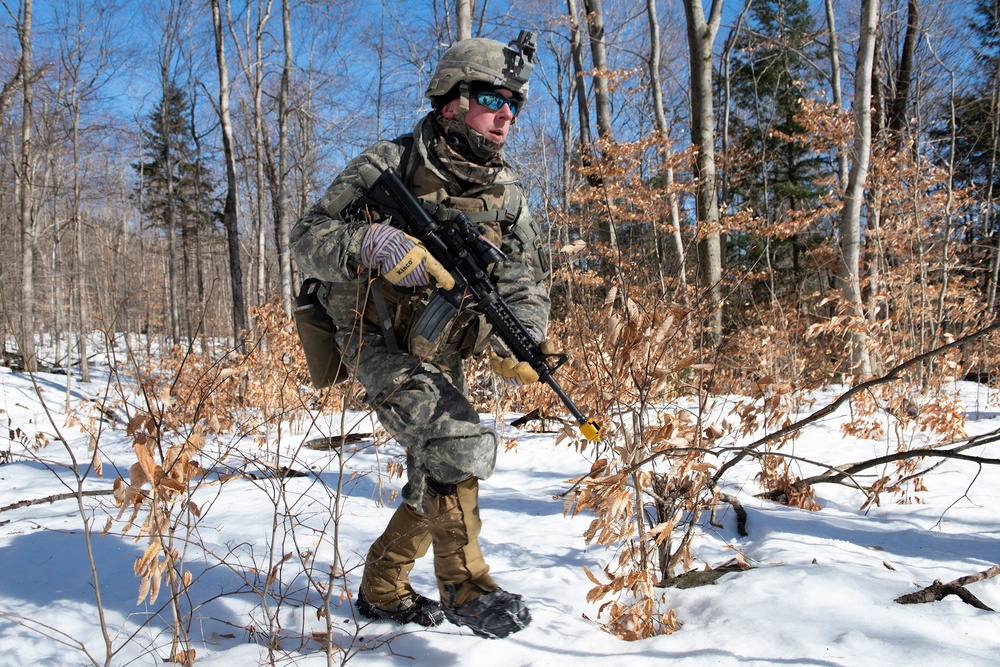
(520, 56)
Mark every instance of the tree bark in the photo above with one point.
(80, 283)
(281, 222)
(229, 214)
(254, 72)
(838, 97)
(656, 88)
(896, 122)
(701, 35)
(29, 226)
(579, 87)
(850, 221)
(599, 57)
(463, 18)
(168, 44)
(938, 591)
(602, 96)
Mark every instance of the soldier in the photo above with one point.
(378, 285)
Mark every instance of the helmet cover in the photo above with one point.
(486, 61)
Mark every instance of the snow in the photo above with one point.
(820, 593)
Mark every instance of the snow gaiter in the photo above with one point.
(453, 520)
(386, 581)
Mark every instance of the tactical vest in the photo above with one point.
(496, 209)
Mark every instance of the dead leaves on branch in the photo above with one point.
(224, 392)
(160, 487)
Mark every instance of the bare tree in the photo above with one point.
(29, 225)
(85, 53)
(599, 57)
(838, 97)
(6, 94)
(701, 35)
(896, 120)
(656, 89)
(252, 64)
(602, 95)
(229, 214)
(582, 105)
(850, 220)
(282, 224)
(166, 54)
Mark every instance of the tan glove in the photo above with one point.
(518, 373)
(402, 259)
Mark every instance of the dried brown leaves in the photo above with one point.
(161, 487)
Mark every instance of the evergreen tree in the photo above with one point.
(976, 141)
(975, 111)
(178, 193)
(777, 171)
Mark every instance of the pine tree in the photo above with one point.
(178, 195)
(976, 128)
(778, 170)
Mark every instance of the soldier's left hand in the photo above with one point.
(518, 373)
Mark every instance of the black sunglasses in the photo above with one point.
(494, 101)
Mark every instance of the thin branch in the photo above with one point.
(892, 374)
(55, 497)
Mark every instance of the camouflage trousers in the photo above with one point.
(426, 408)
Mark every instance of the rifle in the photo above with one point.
(462, 250)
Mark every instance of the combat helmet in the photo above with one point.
(486, 61)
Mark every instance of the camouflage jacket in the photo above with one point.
(327, 246)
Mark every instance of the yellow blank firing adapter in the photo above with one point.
(590, 429)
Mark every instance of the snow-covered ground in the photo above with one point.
(821, 591)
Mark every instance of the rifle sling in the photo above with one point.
(384, 320)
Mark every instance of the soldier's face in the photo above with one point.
(491, 124)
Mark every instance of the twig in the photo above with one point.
(741, 514)
(58, 496)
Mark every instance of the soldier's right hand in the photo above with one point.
(402, 259)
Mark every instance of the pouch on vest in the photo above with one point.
(316, 330)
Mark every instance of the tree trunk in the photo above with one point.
(989, 231)
(281, 222)
(80, 283)
(463, 18)
(229, 214)
(599, 57)
(701, 35)
(29, 226)
(838, 97)
(896, 121)
(254, 73)
(579, 88)
(6, 95)
(656, 88)
(602, 97)
(166, 56)
(727, 53)
(850, 221)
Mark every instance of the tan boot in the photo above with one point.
(461, 570)
(386, 581)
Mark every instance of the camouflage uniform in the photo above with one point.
(414, 379)
(420, 394)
